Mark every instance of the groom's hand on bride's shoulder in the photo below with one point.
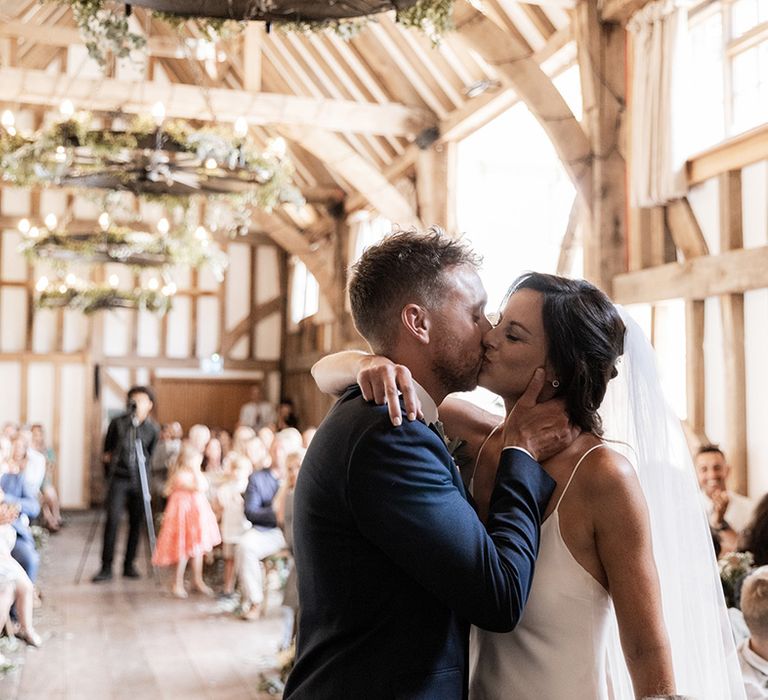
(543, 429)
(382, 381)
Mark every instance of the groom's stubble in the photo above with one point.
(457, 361)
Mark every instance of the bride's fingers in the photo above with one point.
(393, 402)
(380, 381)
(532, 391)
(408, 390)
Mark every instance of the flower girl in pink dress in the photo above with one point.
(189, 528)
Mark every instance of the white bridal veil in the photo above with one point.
(635, 413)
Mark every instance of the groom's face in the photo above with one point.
(457, 329)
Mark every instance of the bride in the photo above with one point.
(625, 600)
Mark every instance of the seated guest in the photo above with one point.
(728, 512)
(35, 467)
(286, 415)
(258, 412)
(49, 500)
(198, 436)
(17, 492)
(753, 652)
(754, 537)
(263, 539)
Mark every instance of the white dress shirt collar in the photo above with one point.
(428, 405)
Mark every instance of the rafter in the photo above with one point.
(187, 101)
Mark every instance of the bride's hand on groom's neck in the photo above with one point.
(543, 429)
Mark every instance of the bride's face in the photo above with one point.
(515, 347)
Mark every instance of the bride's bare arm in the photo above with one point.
(623, 538)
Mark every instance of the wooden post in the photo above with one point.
(436, 186)
(732, 310)
(601, 51)
(694, 365)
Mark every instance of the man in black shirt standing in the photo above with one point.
(122, 470)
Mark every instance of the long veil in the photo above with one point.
(636, 415)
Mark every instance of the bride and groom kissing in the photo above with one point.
(555, 572)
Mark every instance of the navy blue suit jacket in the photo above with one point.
(393, 563)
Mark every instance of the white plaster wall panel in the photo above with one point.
(117, 328)
(670, 353)
(14, 268)
(16, 201)
(10, 380)
(25, 119)
(267, 335)
(207, 326)
(755, 344)
(206, 280)
(182, 277)
(714, 374)
(754, 197)
(706, 205)
(53, 201)
(81, 65)
(44, 330)
(72, 436)
(13, 312)
(142, 376)
(239, 350)
(238, 284)
(86, 208)
(272, 384)
(41, 377)
(75, 330)
(178, 328)
(150, 328)
(267, 273)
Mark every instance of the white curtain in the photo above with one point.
(659, 88)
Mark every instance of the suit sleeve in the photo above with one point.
(27, 501)
(403, 497)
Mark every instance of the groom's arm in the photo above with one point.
(404, 500)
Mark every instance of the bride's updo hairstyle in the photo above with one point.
(585, 338)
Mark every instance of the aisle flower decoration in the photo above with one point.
(105, 25)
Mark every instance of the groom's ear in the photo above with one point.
(415, 320)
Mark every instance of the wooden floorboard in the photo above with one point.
(128, 639)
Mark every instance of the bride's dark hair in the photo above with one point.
(585, 338)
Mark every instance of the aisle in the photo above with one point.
(126, 639)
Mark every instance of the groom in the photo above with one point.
(392, 561)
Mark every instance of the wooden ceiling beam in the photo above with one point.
(620, 10)
(187, 101)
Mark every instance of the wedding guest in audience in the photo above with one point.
(267, 436)
(49, 499)
(10, 429)
(753, 652)
(229, 497)
(284, 515)
(15, 586)
(286, 415)
(212, 456)
(15, 491)
(224, 438)
(258, 412)
(168, 446)
(728, 512)
(35, 466)
(754, 537)
(265, 537)
(189, 528)
(199, 435)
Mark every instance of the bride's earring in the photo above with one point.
(555, 383)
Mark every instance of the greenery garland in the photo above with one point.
(118, 244)
(105, 31)
(71, 149)
(91, 297)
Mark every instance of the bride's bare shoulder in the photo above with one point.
(613, 479)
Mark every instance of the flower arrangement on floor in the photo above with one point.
(151, 157)
(106, 29)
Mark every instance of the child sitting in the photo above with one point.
(753, 652)
(189, 528)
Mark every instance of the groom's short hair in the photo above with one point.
(754, 602)
(404, 267)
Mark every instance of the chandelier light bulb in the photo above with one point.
(24, 226)
(158, 113)
(51, 221)
(34, 232)
(67, 109)
(201, 234)
(114, 280)
(163, 226)
(277, 147)
(42, 284)
(61, 154)
(169, 289)
(70, 279)
(63, 288)
(241, 127)
(8, 120)
(210, 164)
(104, 221)
(153, 284)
